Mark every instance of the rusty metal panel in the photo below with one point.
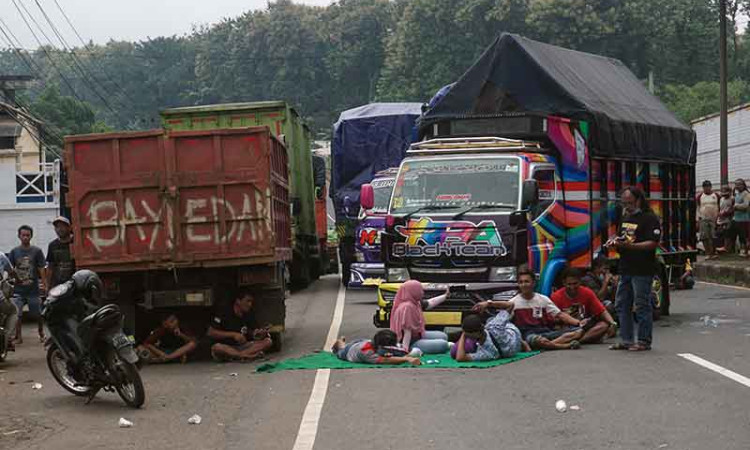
(145, 200)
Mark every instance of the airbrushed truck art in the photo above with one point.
(369, 270)
(487, 190)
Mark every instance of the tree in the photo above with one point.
(701, 99)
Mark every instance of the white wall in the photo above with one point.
(707, 135)
(12, 215)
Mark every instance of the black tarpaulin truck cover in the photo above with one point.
(518, 75)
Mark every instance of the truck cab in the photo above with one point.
(369, 270)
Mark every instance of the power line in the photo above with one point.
(51, 60)
(16, 47)
(85, 78)
(73, 55)
(87, 47)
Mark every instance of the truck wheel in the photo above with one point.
(277, 337)
(660, 289)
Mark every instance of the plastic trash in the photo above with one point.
(36, 386)
(709, 322)
(575, 408)
(561, 406)
(125, 423)
(195, 420)
(233, 374)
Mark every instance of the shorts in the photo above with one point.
(707, 229)
(32, 300)
(239, 347)
(532, 334)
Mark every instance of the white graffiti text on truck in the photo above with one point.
(247, 222)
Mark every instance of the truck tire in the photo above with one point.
(300, 272)
(662, 294)
(277, 337)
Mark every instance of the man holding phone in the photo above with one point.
(235, 334)
(640, 233)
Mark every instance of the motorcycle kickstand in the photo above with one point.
(92, 394)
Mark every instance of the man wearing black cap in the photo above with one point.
(60, 263)
(708, 212)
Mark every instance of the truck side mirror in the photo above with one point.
(530, 194)
(366, 196)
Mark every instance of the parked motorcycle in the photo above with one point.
(88, 352)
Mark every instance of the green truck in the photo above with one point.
(285, 123)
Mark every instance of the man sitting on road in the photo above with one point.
(496, 339)
(234, 333)
(168, 342)
(581, 303)
(602, 282)
(535, 316)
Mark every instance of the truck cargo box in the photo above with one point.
(151, 200)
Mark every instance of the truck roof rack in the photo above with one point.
(472, 144)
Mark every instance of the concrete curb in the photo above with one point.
(715, 272)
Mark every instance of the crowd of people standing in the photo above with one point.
(724, 219)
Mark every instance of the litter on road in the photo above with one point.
(195, 420)
(36, 386)
(125, 423)
(561, 406)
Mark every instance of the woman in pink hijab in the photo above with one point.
(407, 320)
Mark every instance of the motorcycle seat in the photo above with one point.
(104, 315)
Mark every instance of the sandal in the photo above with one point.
(575, 345)
(639, 347)
(620, 346)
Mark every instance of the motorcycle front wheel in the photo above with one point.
(130, 388)
(58, 365)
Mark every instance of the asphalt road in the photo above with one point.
(651, 400)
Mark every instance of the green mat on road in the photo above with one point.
(326, 360)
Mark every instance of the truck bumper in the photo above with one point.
(452, 311)
(363, 275)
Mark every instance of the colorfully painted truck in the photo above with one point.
(522, 162)
(366, 140)
(369, 270)
(182, 221)
(285, 123)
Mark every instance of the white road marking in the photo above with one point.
(724, 285)
(734, 376)
(308, 428)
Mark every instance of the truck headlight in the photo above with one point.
(502, 274)
(398, 275)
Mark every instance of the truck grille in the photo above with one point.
(465, 275)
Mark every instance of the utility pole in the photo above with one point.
(723, 152)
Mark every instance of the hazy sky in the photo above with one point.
(102, 20)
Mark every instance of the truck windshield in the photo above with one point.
(457, 182)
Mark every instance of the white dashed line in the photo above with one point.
(308, 428)
(734, 376)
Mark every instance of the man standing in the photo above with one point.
(235, 334)
(29, 264)
(581, 303)
(60, 264)
(639, 236)
(708, 212)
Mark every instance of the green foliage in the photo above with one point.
(325, 60)
(64, 115)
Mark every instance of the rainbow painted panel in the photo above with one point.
(564, 230)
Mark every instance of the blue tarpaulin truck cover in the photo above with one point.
(366, 140)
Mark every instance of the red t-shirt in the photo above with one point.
(585, 305)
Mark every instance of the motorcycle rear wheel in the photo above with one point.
(58, 366)
(131, 391)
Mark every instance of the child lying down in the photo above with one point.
(381, 349)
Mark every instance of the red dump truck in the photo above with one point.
(182, 221)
